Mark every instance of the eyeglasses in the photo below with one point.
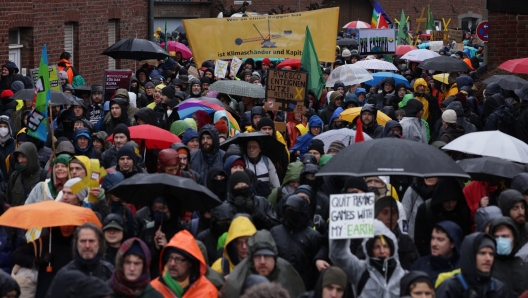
(176, 260)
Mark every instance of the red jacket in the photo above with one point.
(474, 192)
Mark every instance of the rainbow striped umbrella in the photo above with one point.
(190, 106)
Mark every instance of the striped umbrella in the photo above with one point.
(187, 108)
(356, 24)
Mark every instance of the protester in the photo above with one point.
(513, 205)
(412, 126)
(416, 284)
(209, 155)
(27, 174)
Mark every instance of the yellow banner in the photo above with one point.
(273, 36)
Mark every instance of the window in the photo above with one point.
(69, 39)
(112, 28)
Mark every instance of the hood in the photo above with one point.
(222, 212)
(520, 183)
(188, 135)
(229, 162)
(86, 163)
(464, 80)
(492, 88)
(413, 107)
(399, 86)
(184, 241)
(389, 81)
(352, 98)
(308, 169)
(389, 125)
(484, 215)
(370, 108)
(447, 189)
(8, 284)
(67, 148)
(167, 158)
(210, 177)
(468, 252)
(261, 240)
(125, 247)
(361, 90)
(457, 107)
(453, 231)
(507, 221)
(6, 120)
(381, 229)
(338, 84)
(491, 103)
(336, 114)
(124, 107)
(508, 198)
(411, 277)
(258, 110)
(420, 82)
(101, 136)
(293, 172)
(241, 226)
(179, 127)
(315, 121)
(333, 96)
(209, 128)
(82, 132)
(30, 151)
(148, 115)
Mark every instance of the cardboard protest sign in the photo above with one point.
(377, 41)
(437, 35)
(351, 216)
(286, 90)
(220, 68)
(458, 47)
(115, 79)
(53, 77)
(235, 64)
(436, 45)
(457, 35)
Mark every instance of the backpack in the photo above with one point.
(264, 187)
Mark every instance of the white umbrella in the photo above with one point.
(349, 74)
(419, 55)
(376, 64)
(491, 143)
(345, 135)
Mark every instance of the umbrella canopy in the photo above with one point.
(484, 168)
(508, 82)
(345, 135)
(135, 49)
(404, 49)
(152, 136)
(350, 114)
(57, 98)
(180, 29)
(392, 157)
(174, 46)
(180, 193)
(349, 42)
(376, 64)
(240, 88)
(380, 76)
(442, 77)
(419, 55)
(349, 74)
(491, 143)
(444, 64)
(356, 24)
(269, 146)
(47, 214)
(516, 65)
(293, 63)
(188, 107)
(220, 103)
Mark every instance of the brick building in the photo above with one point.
(83, 28)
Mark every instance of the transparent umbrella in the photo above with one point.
(349, 74)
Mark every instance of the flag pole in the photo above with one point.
(52, 134)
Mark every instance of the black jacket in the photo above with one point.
(522, 123)
(264, 216)
(109, 125)
(210, 236)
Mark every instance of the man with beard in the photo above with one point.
(95, 106)
(370, 124)
(387, 86)
(167, 94)
(513, 204)
(209, 155)
(196, 88)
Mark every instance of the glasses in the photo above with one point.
(176, 260)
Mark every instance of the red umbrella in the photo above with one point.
(356, 24)
(175, 46)
(402, 50)
(516, 65)
(293, 63)
(153, 137)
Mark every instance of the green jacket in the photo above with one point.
(293, 172)
(21, 183)
(149, 292)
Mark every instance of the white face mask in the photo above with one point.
(169, 112)
(3, 132)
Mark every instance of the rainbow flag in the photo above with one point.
(38, 118)
(380, 20)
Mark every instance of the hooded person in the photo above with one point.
(501, 118)
(416, 284)
(118, 115)
(387, 87)
(7, 143)
(146, 116)
(421, 190)
(209, 155)
(183, 270)
(430, 106)
(6, 78)
(296, 241)
(95, 105)
(50, 188)
(169, 163)
(263, 259)
(216, 182)
(179, 127)
(99, 141)
(371, 127)
(131, 277)
(83, 144)
(380, 274)
(65, 120)
(392, 128)
(185, 155)
(513, 205)
(484, 216)
(413, 128)
(289, 183)
(118, 206)
(190, 139)
(121, 136)
(447, 203)
(331, 280)
(445, 250)
(477, 255)
(336, 99)
(27, 174)
(315, 126)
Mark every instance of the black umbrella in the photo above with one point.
(507, 82)
(269, 146)
(135, 49)
(485, 168)
(444, 64)
(392, 157)
(142, 189)
(57, 98)
(348, 42)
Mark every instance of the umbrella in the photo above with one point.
(188, 107)
(444, 64)
(350, 42)
(269, 146)
(349, 74)
(442, 77)
(356, 24)
(345, 135)
(380, 76)
(57, 98)
(135, 49)
(152, 136)
(392, 157)
(175, 46)
(484, 168)
(293, 63)
(142, 189)
(350, 114)
(180, 29)
(508, 82)
(240, 88)
(404, 49)
(220, 103)
(491, 143)
(47, 214)
(516, 65)
(376, 64)
(419, 55)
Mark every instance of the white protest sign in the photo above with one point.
(436, 45)
(351, 216)
(235, 64)
(220, 68)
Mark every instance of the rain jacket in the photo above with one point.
(304, 141)
(201, 161)
(326, 114)
(507, 200)
(283, 274)
(21, 183)
(9, 145)
(375, 130)
(412, 199)
(199, 287)
(475, 191)
(484, 286)
(432, 111)
(110, 123)
(292, 174)
(376, 285)
(414, 129)
(291, 127)
(485, 215)
(241, 226)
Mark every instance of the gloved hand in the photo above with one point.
(249, 205)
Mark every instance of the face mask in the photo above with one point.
(169, 112)
(293, 219)
(160, 217)
(68, 126)
(241, 192)
(3, 132)
(503, 246)
(219, 229)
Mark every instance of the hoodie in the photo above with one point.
(422, 96)
(484, 216)
(89, 151)
(30, 175)
(293, 173)
(335, 115)
(326, 114)
(304, 141)
(374, 130)
(388, 126)
(411, 278)
(508, 199)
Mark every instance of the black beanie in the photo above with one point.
(385, 202)
(169, 92)
(413, 107)
(317, 145)
(122, 128)
(356, 182)
(237, 177)
(127, 150)
(265, 121)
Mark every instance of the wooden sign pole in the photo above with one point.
(419, 22)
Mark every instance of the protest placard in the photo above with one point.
(351, 216)
(115, 79)
(436, 45)
(53, 77)
(377, 41)
(286, 90)
(458, 47)
(457, 35)
(437, 35)
(220, 68)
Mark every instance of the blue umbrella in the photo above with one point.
(380, 76)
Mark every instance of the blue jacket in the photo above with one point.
(304, 141)
(10, 239)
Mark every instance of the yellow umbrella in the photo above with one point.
(442, 77)
(350, 114)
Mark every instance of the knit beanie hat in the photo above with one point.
(169, 92)
(83, 193)
(265, 121)
(238, 162)
(192, 123)
(253, 79)
(238, 177)
(149, 84)
(317, 145)
(16, 86)
(221, 127)
(266, 61)
(385, 202)
(356, 182)
(112, 179)
(63, 75)
(122, 128)
(305, 189)
(334, 275)
(336, 145)
(127, 150)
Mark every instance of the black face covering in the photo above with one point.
(294, 220)
(68, 126)
(241, 192)
(220, 228)
(219, 188)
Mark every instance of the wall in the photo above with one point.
(508, 37)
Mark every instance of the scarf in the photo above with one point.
(119, 284)
(89, 265)
(20, 168)
(173, 284)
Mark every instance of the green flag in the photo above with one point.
(429, 23)
(310, 63)
(403, 35)
(166, 39)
